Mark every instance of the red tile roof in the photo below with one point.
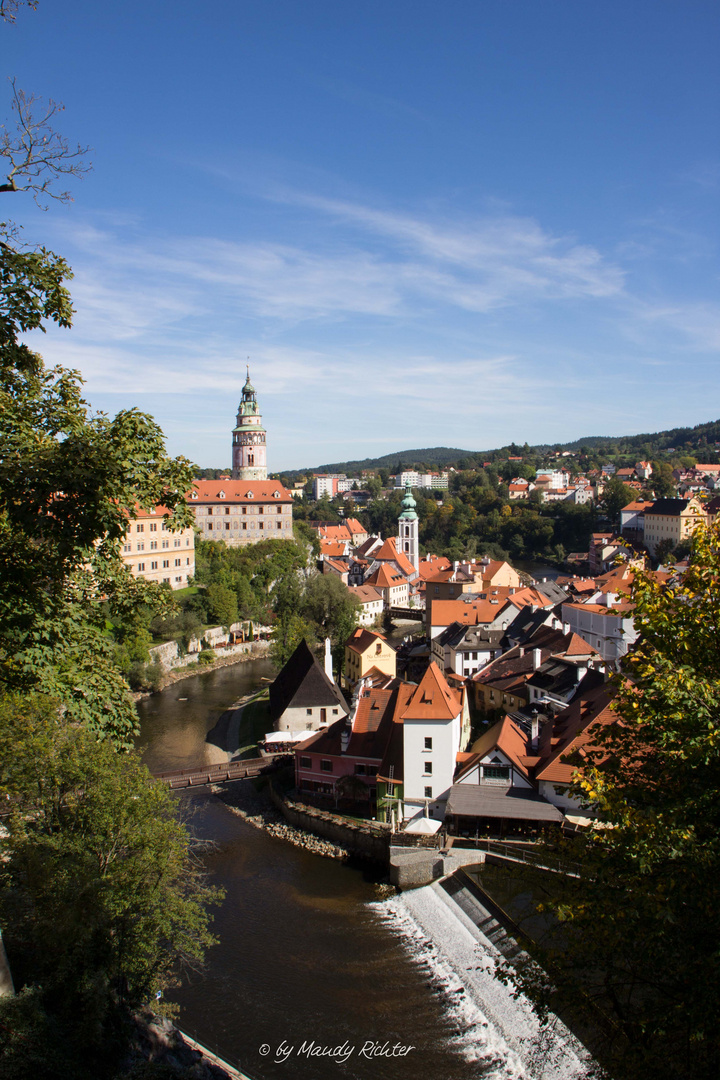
(361, 639)
(432, 699)
(239, 491)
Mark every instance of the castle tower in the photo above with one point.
(249, 460)
(408, 534)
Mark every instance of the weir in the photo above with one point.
(448, 929)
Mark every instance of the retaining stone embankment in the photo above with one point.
(370, 840)
(236, 654)
(255, 807)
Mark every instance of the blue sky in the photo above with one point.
(426, 224)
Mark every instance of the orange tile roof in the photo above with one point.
(387, 552)
(622, 609)
(354, 526)
(332, 548)
(432, 564)
(239, 491)
(361, 639)
(637, 504)
(366, 594)
(445, 612)
(385, 577)
(507, 737)
(573, 732)
(404, 564)
(578, 646)
(529, 595)
(432, 699)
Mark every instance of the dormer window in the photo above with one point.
(194, 495)
(249, 495)
(276, 494)
(221, 494)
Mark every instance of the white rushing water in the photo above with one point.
(498, 1031)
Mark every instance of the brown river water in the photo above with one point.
(307, 958)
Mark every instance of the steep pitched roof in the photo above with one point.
(430, 565)
(302, 683)
(367, 546)
(366, 594)
(432, 699)
(573, 731)
(362, 639)
(387, 552)
(386, 577)
(354, 526)
(506, 736)
(671, 507)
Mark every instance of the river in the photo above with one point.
(312, 956)
(302, 955)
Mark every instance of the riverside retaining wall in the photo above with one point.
(370, 839)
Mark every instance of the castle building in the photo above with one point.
(242, 512)
(249, 451)
(247, 508)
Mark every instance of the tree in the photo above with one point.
(35, 154)
(640, 928)
(288, 631)
(615, 496)
(100, 897)
(222, 605)
(662, 480)
(69, 484)
(331, 610)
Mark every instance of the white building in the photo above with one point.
(436, 727)
(606, 625)
(436, 481)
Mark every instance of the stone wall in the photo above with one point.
(168, 655)
(370, 839)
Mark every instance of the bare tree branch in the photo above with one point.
(37, 154)
(8, 8)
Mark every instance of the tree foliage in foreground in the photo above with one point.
(639, 931)
(69, 481)
(100, 898)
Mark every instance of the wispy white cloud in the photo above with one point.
(371, 325)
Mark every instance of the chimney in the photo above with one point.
(537, 658)
(345, 736)
(534, 732)
(522, 651)
(328, 660)
(566, 628)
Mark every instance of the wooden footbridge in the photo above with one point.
(202, 775)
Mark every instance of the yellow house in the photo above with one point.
(672, 519)
(365, 650)
(152, 552)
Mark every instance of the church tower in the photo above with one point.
(249, 460)
(408, 522)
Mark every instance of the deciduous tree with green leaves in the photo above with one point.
(639, 930)
(70, 481)
(101, 899)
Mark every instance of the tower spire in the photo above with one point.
(249, 437)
